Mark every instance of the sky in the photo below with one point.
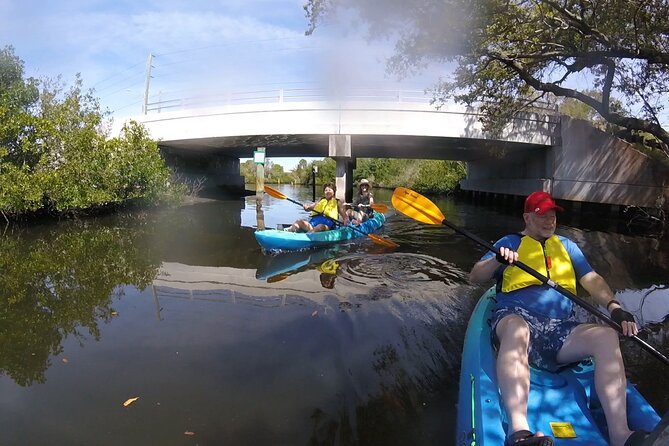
(199, 48)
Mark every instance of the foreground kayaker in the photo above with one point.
(324, 213)
(533, 323)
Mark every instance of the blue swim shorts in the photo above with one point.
(546, 336)
(322, 220)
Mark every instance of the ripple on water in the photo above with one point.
(409, 286)
(403, 268)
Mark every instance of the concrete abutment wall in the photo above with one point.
(588, 166)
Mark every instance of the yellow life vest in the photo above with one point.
(329, 267)
(329, 208)
(550, 259)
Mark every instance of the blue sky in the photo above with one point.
(200, 47)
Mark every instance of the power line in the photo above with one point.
(221, 45)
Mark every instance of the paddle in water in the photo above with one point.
(375, 238)
(414, 205)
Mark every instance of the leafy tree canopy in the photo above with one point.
(55, 154)
(509, 53)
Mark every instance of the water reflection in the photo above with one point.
(374, 340)
(351, 344)
(59, 282)
(278, 266)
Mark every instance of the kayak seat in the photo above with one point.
(545, 379)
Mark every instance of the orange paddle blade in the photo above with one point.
(274, 193)
(277, 278)
(382, 241)
(380, 207)
(414, 205)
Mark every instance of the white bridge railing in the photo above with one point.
(308, 94)
(287, 95)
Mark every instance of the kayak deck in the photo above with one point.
(568, 396)
(278, 240)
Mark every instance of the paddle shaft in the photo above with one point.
(545, 280)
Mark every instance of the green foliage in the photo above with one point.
(20, 190)
(509, 54)
(274, 173)
(55, 155)
(247, 169)
(17, 125)
(439, 177)
(577, 109)
(302, 172)
(327, 171)
(425, 176)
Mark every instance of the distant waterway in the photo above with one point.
(223, 344)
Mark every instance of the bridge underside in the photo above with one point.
(362, 146)
(585, 165)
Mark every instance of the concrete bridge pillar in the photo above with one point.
(340, 150)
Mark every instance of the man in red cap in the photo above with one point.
(535, 324)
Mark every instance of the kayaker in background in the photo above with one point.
(324, 213)
(361, 208)
(535, 324)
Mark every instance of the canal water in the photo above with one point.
(225, 345)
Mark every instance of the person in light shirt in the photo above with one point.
(361, 208)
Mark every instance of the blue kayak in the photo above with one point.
(277, 240)
(290, 262)
(567, 399)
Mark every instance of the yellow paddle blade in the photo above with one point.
(274, 193)
(414, 205)
(383, 241)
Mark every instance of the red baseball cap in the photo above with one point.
(539, 202)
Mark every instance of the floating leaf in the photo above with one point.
(129, 401)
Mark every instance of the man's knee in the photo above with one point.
(592, 340)
(513, 327)
(605, 336)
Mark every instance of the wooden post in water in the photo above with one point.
(259, 159)
(260, 216)
(314, 170)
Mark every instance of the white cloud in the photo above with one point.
(199, 46)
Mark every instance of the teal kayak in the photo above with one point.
(277, 240)
(286, 263)
(566, 400)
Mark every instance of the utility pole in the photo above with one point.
(147, 82)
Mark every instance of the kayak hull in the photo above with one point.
(277, 240)
(286, 263)
(565, 397)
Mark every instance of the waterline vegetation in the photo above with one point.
(426, 176)
(56, 153)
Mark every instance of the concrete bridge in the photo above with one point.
(539, 150)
